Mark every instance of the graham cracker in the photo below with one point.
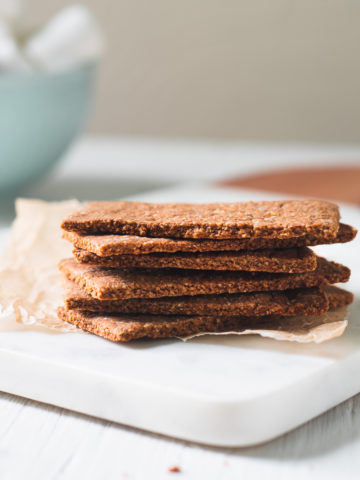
(125, 327)
(110, 284)
(291, 260)
(307, 301)
(106, 245)
(276, 219)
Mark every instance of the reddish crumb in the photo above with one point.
(174, 469)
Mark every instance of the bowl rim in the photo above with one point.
(47, 74)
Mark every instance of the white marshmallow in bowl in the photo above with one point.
(70, 38)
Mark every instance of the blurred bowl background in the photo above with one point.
(41, 114)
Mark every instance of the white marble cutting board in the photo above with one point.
(218, 390)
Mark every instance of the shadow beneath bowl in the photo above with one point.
(89, 189)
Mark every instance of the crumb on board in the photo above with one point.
(174, 469)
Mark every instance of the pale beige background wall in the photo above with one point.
(244, 69)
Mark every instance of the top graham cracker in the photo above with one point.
(278, 219)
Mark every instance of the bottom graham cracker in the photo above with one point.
(123, 327)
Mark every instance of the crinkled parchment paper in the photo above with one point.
(300, 329)
(30, 284)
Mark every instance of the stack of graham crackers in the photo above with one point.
(165, 270)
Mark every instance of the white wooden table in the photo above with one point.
(44, 442)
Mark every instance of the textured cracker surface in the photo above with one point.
(311, 301)
(123, 327)
(291, 260)
(105, 245)
(338, 297)
(280, 219)
(109, 284)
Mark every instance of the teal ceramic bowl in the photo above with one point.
(40, 115)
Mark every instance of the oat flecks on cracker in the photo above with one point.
(123, 328)
(106, 245)
(292, 260)
(110, 284)
(307, 301)
(279, 219)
